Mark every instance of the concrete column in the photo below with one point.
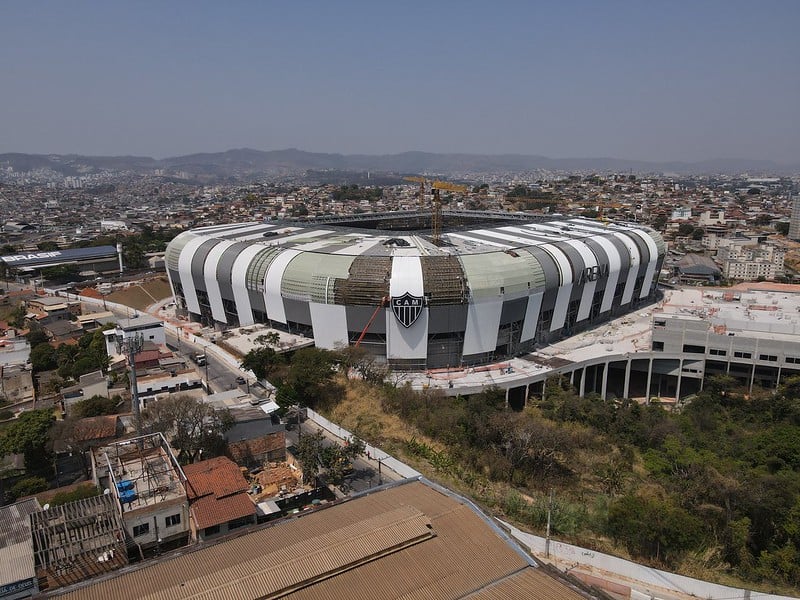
(582, 387)
(778, 382)
(604, 385)
(678, 387)
(627, 385)
(752, 376)
(649, 379)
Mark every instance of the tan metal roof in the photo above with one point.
(16, 544)
(409, 541)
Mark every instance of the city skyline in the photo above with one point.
(623, 80)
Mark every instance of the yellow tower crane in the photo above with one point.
(436, 212)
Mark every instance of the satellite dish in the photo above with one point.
(46, 507)
(106, 492)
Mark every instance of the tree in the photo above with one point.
(28, 435)
(782, 228)
(193, 427)
(311, 375)
(43, 358)
(316, 456)
(685, 229)
(28, 487)
(95, 406)
(654, 528)
(659, 222)
(263, 362)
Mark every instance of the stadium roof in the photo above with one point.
(52, 258)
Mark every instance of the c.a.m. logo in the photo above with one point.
(407, 308)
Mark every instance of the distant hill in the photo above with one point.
(247, 162)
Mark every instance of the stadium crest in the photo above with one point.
(407, 308)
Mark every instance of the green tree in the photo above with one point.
(685, 229)
(194, 428)
(782, 227)
(95, 406)
(43, 358)
(263, 362)
(654, 528)
(311, 374)
(28, 487)
(29, 436)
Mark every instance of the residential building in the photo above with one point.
(17, 572)
(148, 485)
(77, 540)
(218, 498)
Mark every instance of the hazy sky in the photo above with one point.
(651, 80)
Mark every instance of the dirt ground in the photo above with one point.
(142, 296)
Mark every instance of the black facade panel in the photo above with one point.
(297, 311)
(445, 319)
(513, 310)
(225, 268)
(198, 264)
(257, 301)
(359, 316)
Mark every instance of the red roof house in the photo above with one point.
(218, 500)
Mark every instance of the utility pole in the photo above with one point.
(547, 536)
(131, 347)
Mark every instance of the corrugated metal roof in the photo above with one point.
(409, 541)
(57, 257)
(528, 584)
(16, 543)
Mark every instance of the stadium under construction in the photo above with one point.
(486, 286)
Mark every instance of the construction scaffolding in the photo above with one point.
(444, 280)
(77, 540)
(367, 283)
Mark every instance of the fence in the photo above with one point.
(651, 582)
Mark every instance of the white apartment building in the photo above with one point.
(750, 258)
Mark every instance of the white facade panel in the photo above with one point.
(185, 271)
(590, 261)
(330, 325)
(212, 282)
(651, 264)
(630, 282)
(272, 286)
(560, 309)
(531, 316)
(238, 274)
(564, 290)
(406, 342)
(483, 323)
(614, 267)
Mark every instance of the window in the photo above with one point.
(769, 357)
(718, 352)
(692, 349)
(738, 354)
(658, 346)
(793, 360)
(213, 530)
(139, 530)
(173, 520)
(660, 323)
